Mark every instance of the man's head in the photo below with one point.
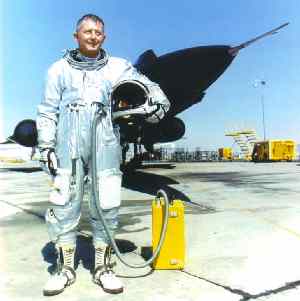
(89, 35)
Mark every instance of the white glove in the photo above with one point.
(152, 113)
(48, 161)
(155, 113)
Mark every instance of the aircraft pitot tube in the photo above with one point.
(196, 68)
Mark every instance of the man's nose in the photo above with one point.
(93, 36)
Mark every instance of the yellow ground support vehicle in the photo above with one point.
(225, 153)
(274, 150)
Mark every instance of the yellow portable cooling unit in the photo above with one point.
(172, 253)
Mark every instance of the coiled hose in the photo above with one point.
(160, 193)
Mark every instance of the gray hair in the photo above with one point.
(95, 18)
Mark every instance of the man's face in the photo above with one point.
(90, 37)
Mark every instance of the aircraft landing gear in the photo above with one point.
(137, 159)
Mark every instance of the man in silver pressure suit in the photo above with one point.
(77, 87)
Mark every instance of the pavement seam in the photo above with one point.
(247, 296)
(269, 221)
(41, 217)
(287, 286)
(28, 211)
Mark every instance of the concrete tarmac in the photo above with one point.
(242, 230)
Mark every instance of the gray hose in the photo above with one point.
(100, 212)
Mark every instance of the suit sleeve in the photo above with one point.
(48, 110)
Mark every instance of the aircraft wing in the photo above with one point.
(184, 75)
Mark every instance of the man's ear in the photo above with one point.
(75, 36)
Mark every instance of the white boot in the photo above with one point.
(103, 273)
(65, 274)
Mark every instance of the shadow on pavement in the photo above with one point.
(150, 183)
(84, 252)
(21, 169)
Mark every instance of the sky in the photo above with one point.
(34, 33)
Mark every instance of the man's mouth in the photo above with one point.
(93, 45)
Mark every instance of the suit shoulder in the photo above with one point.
(57, 66)
(118, 61)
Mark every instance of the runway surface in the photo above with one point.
(242, 230)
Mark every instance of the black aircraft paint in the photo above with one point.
(183, 75)
(25, 133)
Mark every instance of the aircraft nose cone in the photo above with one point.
(25, 133)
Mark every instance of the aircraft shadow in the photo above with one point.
(21, 169)
(150, 183)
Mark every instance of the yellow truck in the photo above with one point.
(274, 150)
(225, 153)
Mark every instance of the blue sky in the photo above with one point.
(33, 34)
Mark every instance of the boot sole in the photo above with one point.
(115, 291)
(52, 293)
(106, 290)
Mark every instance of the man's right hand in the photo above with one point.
(48, 161)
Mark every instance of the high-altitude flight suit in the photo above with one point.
(76, 88)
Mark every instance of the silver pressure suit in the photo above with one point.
(74, 93)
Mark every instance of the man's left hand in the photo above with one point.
(48, 161)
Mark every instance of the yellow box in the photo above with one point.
(172, 253)
(275, 150)
(225, 153)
